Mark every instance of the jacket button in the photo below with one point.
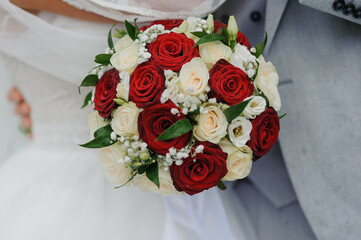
(256, 16)
(357, 13)
(338, 5)
(349, 8)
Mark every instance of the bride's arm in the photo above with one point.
(58, 7)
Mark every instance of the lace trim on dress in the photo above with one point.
(128, 9)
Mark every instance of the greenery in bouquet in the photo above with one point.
(181, 105)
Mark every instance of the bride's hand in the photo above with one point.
(58, 7)
(22, 108)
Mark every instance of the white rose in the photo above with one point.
(166, 183)
(267, 80)
(255, 107)
(123, 43)
(95, 121)
(239, 162)
(211, 52)
(239, 131)
(212, 125)
(117, 173)
(125, 119)
(193, 76)
(243, 59)
(126, 60)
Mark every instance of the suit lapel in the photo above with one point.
(274, 12)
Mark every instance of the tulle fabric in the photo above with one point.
(53, 189)
(147, 10)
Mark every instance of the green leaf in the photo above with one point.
(265, 98)
(152, 173)
(103, 58)
(195, 112)
(191, 141)
(130, 179)
(101, 138)
(221, 185)
(177, 129)
(110, 39)
(284, 115)
(103, 131)
(142, 169)
(224, 32)
(87, 99)
(210, 38)
(199, 34)
(130, 29)
(120, 33)
(234, 111)
(90, 81)
(136, 28)
(260, 47)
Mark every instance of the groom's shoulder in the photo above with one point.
(346, 9)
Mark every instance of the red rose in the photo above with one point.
(265, 129)
(172, 50)
(146, 84)
(154, 120)
(228, 83)
(105, 92)
(168, 24)
(202, 171)
(241, 39)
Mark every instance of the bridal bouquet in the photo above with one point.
(181, 105)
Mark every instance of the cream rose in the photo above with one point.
(123, 43)
(126, 60)
(117, 173)
(239, 131)
(255, 107)
(166, 183)
(193, 76)
(267, 80)
(95, 121)
(211, 52)
(125, 120)
(239, 161)
(212, 125)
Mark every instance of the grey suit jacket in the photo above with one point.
(318, 57)
(317, 52)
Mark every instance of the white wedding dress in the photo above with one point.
(53, 189)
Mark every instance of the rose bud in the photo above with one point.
(232, 29)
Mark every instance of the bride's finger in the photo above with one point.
(14, 95)
(23, 109)
(26, 123)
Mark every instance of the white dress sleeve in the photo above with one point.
(147, 10)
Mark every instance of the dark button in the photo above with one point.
(349, 8)
(357, 13)
(255, 16)
(338, 5)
